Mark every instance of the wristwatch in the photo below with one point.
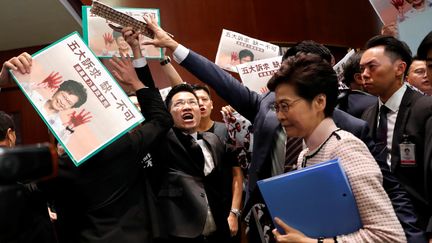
(236, 212)
(166, 61)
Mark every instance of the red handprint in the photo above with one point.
(108, 39)
(264, 90)
(78, 119)
(52, 82)
(398, 4)
(234, 56)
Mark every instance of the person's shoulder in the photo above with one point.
(418, 99)
(343, 119)
(347, 140)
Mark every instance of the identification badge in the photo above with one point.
(407, 154)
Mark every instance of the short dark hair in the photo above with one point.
(351, 67)
(6, 122)
(310, 75)
(201, 87)
(75, 88)
(309, 46)
(395, 48)
(246, 53)
(177, 89)
(425, 46)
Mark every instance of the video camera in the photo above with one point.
(20, 166)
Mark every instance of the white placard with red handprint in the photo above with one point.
(395, 11)
(77, 98)
(105, 42)
(235, 48)
(255, 75)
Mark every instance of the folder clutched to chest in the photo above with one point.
(317, 200)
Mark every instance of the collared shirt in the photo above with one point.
(180, 53)
(208, 158)
(210, 224)
(139, 62)
(320, 133)
(393, 104)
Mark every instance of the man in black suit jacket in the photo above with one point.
(354, 101)
(191, 183)
(407, 146)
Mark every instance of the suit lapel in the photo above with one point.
(211, 142)
(371, 117)
(175, 140)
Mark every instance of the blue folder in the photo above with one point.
(317, 200)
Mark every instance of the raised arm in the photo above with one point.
(158, 120)
(246, 102)
(21, 63)
(169, 70)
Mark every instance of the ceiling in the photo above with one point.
(29, 23)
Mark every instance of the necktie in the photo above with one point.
(196, 152)
(381, 132)
(293, 148)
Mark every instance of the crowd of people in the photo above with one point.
(194, 190)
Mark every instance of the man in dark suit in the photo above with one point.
(190, 180)
(401, 120)
(258, 109)
(355, 100)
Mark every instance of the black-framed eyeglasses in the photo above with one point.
(283, 106)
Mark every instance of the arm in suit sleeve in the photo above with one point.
(245, 101)
(143, 71)
(399, 198)
(158, 120)
(428, 170)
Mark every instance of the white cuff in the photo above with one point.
(180, 53)
(140, 62)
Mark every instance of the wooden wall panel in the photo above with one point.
(198, 25)
(30, 128)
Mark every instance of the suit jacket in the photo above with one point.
(355, 102)
(414, 119)
(103, 200)
(257, 109)
(181, 189)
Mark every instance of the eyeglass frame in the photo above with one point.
(276, 107)
(181, 103)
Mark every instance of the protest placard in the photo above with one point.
(77, 98)
(255, 75)
(106, 42)
(235, 48)
(410, 21)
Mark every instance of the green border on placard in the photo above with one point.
(86, 34)
(85, 24)
(49, 126)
